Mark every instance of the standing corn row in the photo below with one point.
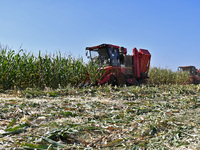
(24, 70)
(167, 76)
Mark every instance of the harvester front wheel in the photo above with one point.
(113, 80)
(124, 79)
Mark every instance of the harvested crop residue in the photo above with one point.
(129, 117)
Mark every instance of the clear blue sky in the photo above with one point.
(169, 29)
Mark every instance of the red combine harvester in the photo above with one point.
(193, 72)
(119, 67)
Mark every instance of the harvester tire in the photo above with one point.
(125, 80)
(113, 81)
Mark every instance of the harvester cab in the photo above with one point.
(106, 55)
(119, 67)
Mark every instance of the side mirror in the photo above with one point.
(88, 56)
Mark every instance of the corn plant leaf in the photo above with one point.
(16, 128)
(114, 142)
(34, 146)
(54, 143)
(12, 122)
(13, 132)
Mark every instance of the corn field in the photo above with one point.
(22, 70)
(159, 76)
(48, 110)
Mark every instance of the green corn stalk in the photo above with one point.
(160, 76)
(24, 70)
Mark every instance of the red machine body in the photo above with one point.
(119, 67)
(193, 72)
